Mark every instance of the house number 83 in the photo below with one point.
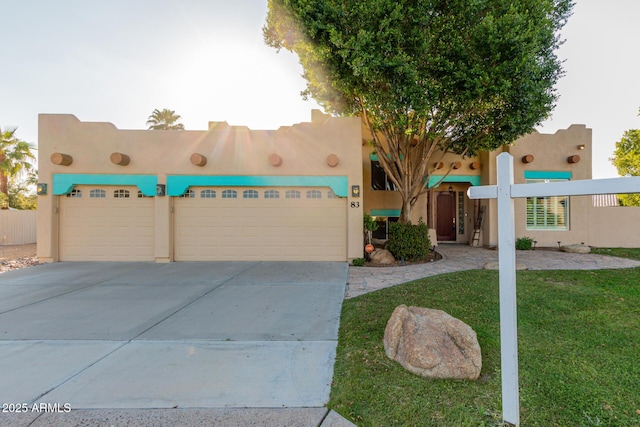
(355, 204)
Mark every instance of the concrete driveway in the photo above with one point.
(186, 335)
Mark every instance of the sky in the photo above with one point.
(118, 60)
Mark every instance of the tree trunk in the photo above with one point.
(405, 212)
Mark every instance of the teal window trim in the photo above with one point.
(547, 174)
(63, 183)
(178, 184)
(385, 212)
(471, 179)
(374, 157)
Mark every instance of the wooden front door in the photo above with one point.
(446, 216)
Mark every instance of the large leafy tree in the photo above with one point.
(626, 158)
(164, 120)
(15, 158)
(430, 76)
(21, 192)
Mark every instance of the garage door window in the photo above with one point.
(97, 194)
(249, 194)
(331, 195)
(141, 195)
(314, 194)
(208, 194)
(121, 194)
(189, 194)
(229, 194)
(75, 193)
(272, 194)
(292, 194)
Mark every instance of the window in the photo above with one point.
(382, 232)
(379, 178)
(207, 194)
(229, 194)
(97, 194)
(314, 194)
(331, 195)
(121, 194)
(75, 194)
(271, 194)
(249, 194)
(141, 195)
(189, 194)
(292, 194)
(547, 213)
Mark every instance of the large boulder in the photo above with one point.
(576, 249)
(433, 344)
(382, 257)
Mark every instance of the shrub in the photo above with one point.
(358, 262)
(369, 224)
(408, 241)
(524, 243)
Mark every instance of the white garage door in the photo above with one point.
(106, 223)
(277, 224)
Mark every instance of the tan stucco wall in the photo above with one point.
(230, 150)
(551, 152)
(614, 227)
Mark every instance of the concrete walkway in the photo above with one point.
(463, 257)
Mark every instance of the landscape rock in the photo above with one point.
(432, 343)
(16, 264)
(382, 257)
(576, 249)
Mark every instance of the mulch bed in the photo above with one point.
(433, 256)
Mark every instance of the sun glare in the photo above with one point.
(243, 82)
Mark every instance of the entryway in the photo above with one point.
(446, 216)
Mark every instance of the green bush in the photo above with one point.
(368, 223)
(524, 243)
(408, 241)
(358, 262)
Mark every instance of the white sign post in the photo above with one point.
(505, 192)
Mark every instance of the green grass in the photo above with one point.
(579, 352)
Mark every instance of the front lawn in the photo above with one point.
(579, 352)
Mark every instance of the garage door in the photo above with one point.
(106, 224)
(278, 224)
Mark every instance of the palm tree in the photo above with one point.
(15, 156)
(164, 120)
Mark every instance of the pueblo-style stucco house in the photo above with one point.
(296, 193)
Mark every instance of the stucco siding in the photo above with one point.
(614, 227)
(325, 152)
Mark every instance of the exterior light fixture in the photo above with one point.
(355, 191)
(161, 189)
(450, 189)
(41, 189)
